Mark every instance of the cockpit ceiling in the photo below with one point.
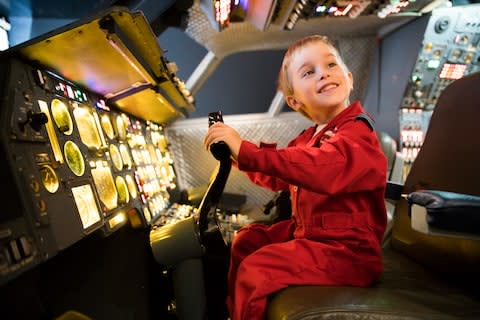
(243, 36)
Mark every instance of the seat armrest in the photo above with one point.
(393, 191)
(445, 213)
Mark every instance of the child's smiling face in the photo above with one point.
(321, 84)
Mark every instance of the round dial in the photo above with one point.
(123, 195)
(49, 178)
(61, 116)
(74, 158)
(131, 186)
(116, 157)
(127, 160)
(121, 128)
(107, 126)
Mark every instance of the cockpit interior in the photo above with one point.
(115, 209)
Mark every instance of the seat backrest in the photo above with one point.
(394, 157)
(389, 147)
(448, 160)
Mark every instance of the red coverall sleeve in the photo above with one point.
(350, 161)
(270, 182)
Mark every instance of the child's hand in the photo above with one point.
(221, 132)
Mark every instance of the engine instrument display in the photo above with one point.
(86, 205)
(49, 178)
(127, 160)
(62, 117)
(132, 188)
(74, 158)
(121, 129)
(106, 188)
(107, 126)
(87, 128)
(116, 157)
(452, 71)
(123, 195)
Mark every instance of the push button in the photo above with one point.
(14, 251)
(25, 246)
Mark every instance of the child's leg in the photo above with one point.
(248, 240)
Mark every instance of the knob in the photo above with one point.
(36, 120)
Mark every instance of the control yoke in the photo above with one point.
(181, 245)
(207, 218)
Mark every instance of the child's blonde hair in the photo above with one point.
(284, 83)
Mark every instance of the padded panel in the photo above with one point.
(405, 291)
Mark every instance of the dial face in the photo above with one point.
(86, 205)
(62, 117)
(107, 126)
(116, 157)
(74, 158)
(127, 160)
(123, 195)
(121, 128)
(49, 178)
(86, 126)
(105, 185)
(132, 188)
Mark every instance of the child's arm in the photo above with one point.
(350, 161)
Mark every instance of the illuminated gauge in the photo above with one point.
(107, 126)
(86, 205)
(116, 157)
(159, 155)
(107, 191)
(61, 116)
(127, 160)
(87, 128)
(121, 128)
(131, 186)
(147, 214)
(123, 195)
(49, 178)
(74, 158)
(162, 143)
(152, 154)
(136, 157)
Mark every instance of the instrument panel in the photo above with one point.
(72, 165)
(450, 50)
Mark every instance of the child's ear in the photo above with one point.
(293, 103)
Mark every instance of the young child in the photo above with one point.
(336, 174)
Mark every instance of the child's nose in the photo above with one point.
(322, 73)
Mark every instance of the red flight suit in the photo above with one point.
(337, 181)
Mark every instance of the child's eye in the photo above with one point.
(332, 64)
(307, 73)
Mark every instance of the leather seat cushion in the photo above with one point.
(405, 291)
